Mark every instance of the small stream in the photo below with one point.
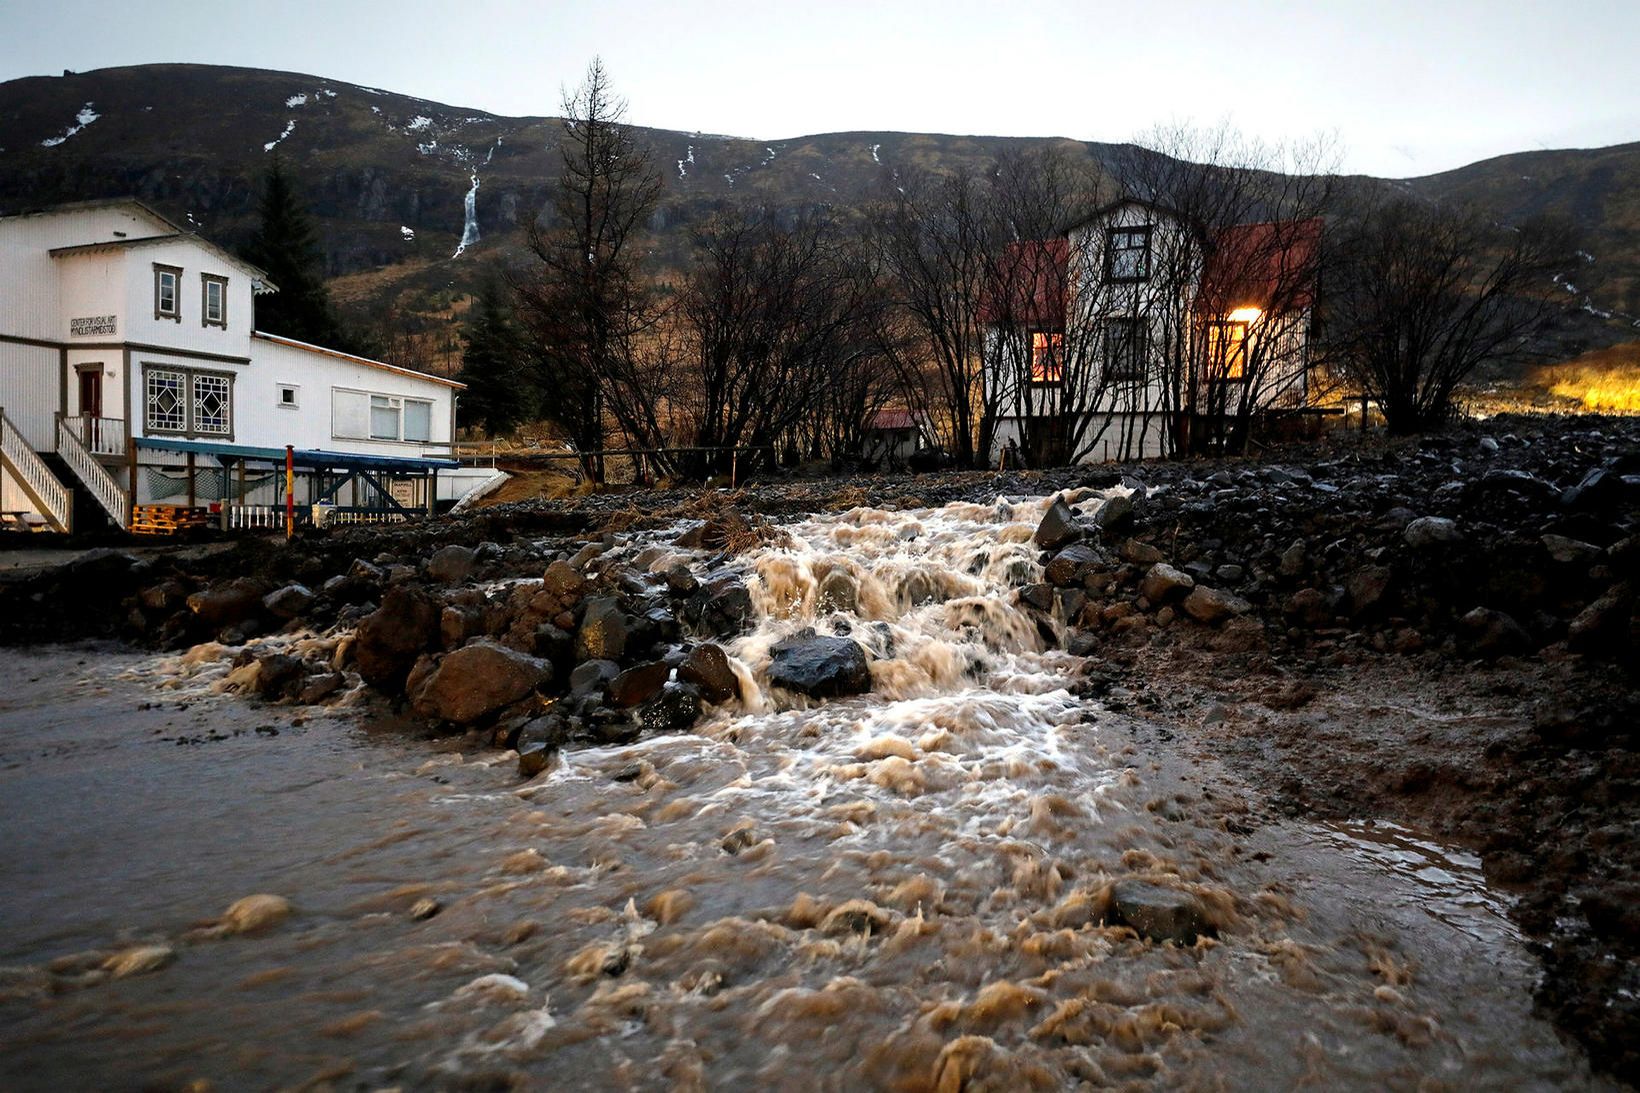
(908, 889)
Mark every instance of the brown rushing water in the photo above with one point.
(902, 890)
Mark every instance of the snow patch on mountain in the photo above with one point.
(409, 234)
(874, 148)
(290, 127)
(85, 117)
(296, 100)
(420, 121)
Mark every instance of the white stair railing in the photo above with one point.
(55, 502)
(108, 492)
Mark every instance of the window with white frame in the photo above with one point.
(363, 415)
(167, 296)
(288, 396)
(167, 400)
(213, 305)
(185, 401)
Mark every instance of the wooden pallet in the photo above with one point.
(167, 519)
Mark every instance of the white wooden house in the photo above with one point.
(1136, 334)
(131, 372)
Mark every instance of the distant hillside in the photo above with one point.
(388, 174)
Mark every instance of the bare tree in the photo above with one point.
(1424, 294)
(584, 300)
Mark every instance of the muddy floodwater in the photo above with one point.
(909, 889)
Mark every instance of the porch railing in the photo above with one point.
(73, 450)
(101, 436)
(55, 502)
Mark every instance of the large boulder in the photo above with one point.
(1058, 527)
(820, 667)
(674, 709)
(1431, 531)
(1115, 513)
(390, 638)
(1071, 565)
(707, 667)
(1491, 633)
(1212, 605)
(722, 607)
(604, 631)
(229, 602)
(289, 601)
(1162, 583)
(563, 580)
(1158, 913)
(1367, 587)
(638, 684)
(1602, 627)
(452, 564)
(477, 680)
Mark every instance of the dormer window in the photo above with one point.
(167, 298)
(213, 308)
(1127, 253)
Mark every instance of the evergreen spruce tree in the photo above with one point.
(286, 246)
(500, 394)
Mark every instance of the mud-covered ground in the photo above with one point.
(1439, 632)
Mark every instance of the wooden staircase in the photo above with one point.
(51, 499)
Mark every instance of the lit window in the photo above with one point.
(1047, 357)
(1226, 350)
(1124, 349)
(166, 303)
(167, 400)
(1127, 254)
(213, 310)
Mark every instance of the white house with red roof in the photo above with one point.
(132, 373)
(1137, 334)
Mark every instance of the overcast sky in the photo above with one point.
(1406, 88)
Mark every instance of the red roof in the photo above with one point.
(1269, 265)
(893, 419)
(1030, 284)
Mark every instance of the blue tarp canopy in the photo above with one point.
(314, 457)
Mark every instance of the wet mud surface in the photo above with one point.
(964, 879)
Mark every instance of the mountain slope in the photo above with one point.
(389, 175)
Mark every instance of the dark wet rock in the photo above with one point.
(1039, 596)
(228, 603)
(1432, 531)
(604, 631)
(838, 592)
(362, 570)
(553, 644)
(457, 624)
(680, 581)
(722, 607)
(1162, 582)
(707, 667)
(1572, 552)
(638, 684)
(593, 677)
(1293, 559)
(1367, 588)
(1602, 628)
(538, 741)
(162, 597)
(1229, 573)
(1308, 607)
(477, 680)
(1491, 633)
(320, 687)
(1058, 527)
(390, 639)
(1132, 550)
(1072, 564)
(288, 602)
(1212, 605)
(563, 581)
(1158, 913)
(277, 673)
(1116, 513)
(452, 564)
(819, 666)
(675, 709)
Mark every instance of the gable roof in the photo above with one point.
(1269, 264)
(1030, 285)
(351, 359)
(173, 232)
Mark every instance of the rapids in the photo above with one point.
(908, 889)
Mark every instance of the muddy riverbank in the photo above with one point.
(1361, 716)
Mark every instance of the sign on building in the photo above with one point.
(88, 325)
